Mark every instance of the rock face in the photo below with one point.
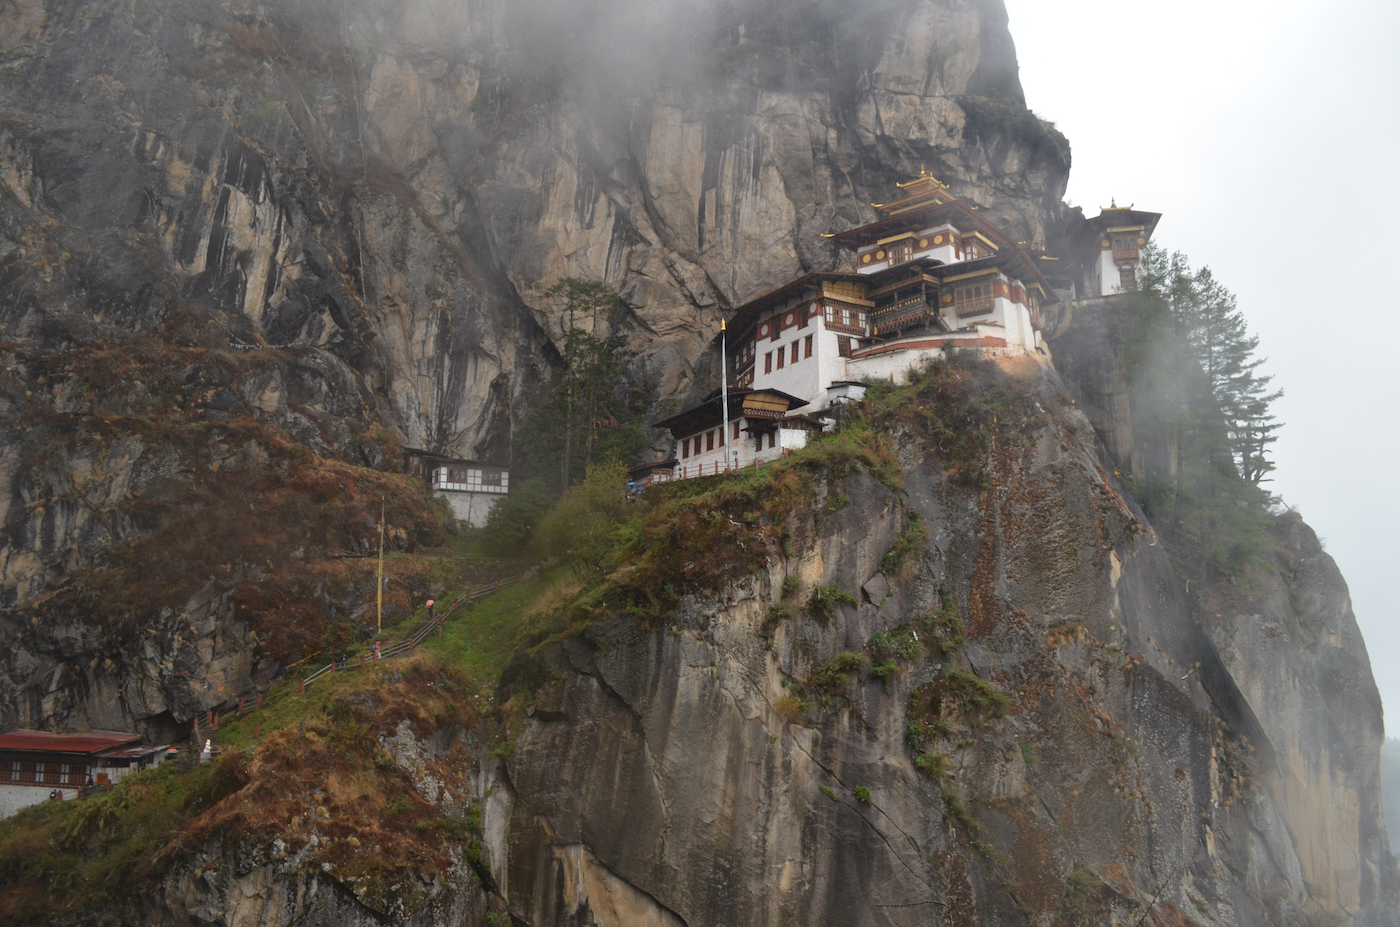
(1148, 769)
(370, 199)
(233, 234)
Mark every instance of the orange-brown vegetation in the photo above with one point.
(237, 501)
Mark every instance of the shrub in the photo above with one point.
(910, 540)
(933, 765)
(514, 519)
(834, 676)
(582, 526)
(862, 794)
(825, 598)
(791, 584)
(831, 795)
(977, 697)
(791, 708)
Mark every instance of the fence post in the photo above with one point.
(303, 687)
(410, 643)
(211, 717)
(362, 661)
(216, 720)
(259, 700)
(240, 708)
(469, 597)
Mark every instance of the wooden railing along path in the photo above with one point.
(209, 730)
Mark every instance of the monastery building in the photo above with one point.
(930, 275)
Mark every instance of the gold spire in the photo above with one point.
(924, 177)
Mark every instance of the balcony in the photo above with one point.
(905, 314)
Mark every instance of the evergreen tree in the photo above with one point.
(589, 411)
(1208, 317)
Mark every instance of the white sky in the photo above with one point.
(1266, 133)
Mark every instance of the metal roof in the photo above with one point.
(78, 742)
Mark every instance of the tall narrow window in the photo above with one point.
(795, 353)
(843, 346)
(772, 437)
(709, 440)
(768, 362)
(685, 449)
(735, 434)
(781, 355)
(808, 346)
(1127, 277)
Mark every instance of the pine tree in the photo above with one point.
(1207, 315)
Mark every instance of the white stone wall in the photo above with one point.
(471, 508)
(809, 378)
(15, 797)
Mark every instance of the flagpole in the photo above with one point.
(724, 388)
(379, 584)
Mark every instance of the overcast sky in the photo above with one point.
(1266, 132)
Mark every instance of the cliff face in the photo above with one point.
(248, 250)
(1151, 767)
(945, 697)
(336, 221)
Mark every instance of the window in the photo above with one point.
(795, 352)
(974, 298)
(776, 326)
(709, 440)
(736, 431)
(845, 317)
(772, 437)
(843, 346)
(802, 317)
(768, 362)
(781, 355)
(685, 449)
(1127, 277)
(490, 477)
(808, 347)
(900, 252)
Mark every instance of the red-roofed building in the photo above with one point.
(38, 765)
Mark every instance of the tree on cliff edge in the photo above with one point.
(1208, 317)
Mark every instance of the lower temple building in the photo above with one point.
(932, 275)
(38, 766)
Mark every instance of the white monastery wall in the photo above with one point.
(15, 797)
(471, 508)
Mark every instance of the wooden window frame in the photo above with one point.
(768, 362)
(808, 346)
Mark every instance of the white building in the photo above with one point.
(1108, 250)
(37, 765)
(470, 487)
(931, 275)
